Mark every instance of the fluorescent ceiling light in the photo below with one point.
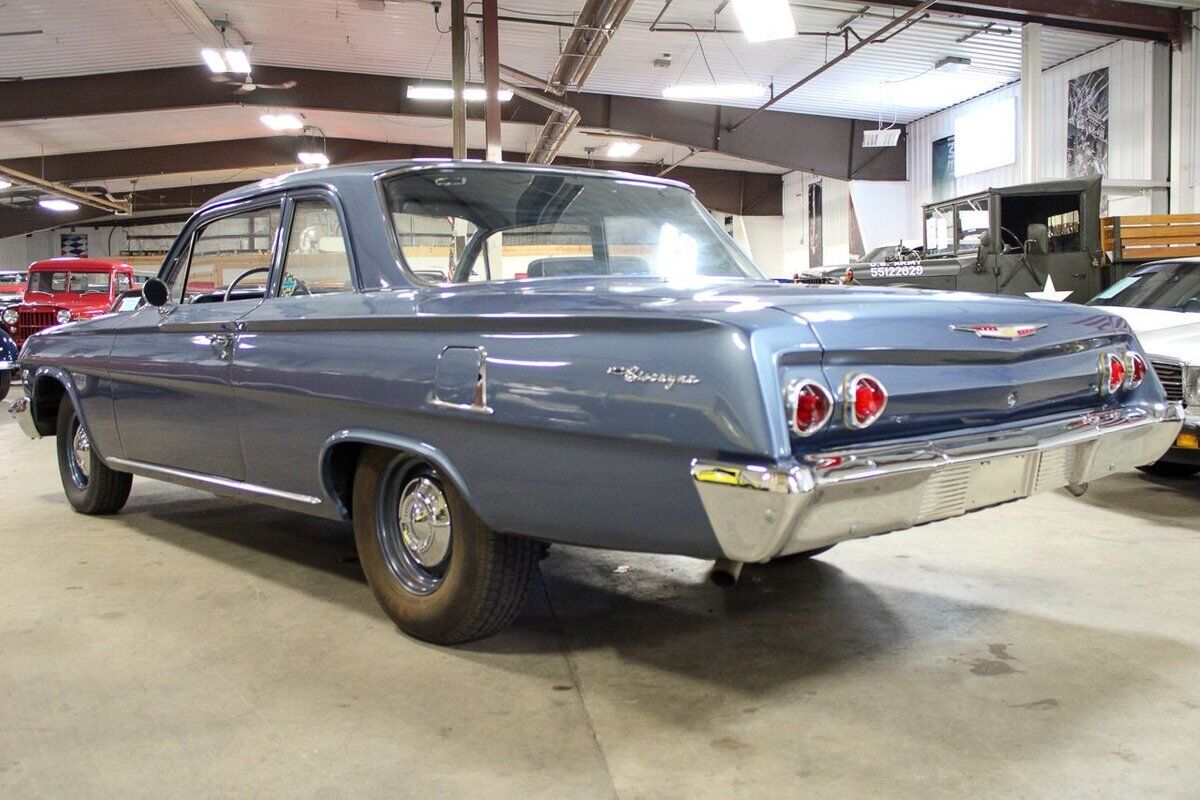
(214, 60)
(312, 158)
(471, 94)
(764, 20)
(282, 122)
(714, 91)
(57, 204)
(238, 61)
(5, 184)
(953, 64)
(884, 137)
(623, 149)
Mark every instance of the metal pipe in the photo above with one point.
(491, 79)
(458, 66)
(65, 192)
(725, 573)
(904, 19)
(534, 97)
(518, 75)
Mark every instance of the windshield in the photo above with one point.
(464, 224)
(69, 282)
(1173, 287)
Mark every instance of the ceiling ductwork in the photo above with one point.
(595, 27)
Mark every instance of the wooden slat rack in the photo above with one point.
(1150, 237)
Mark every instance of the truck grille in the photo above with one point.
(1170, 373)
(30, 321)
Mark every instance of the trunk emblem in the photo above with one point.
(1008, 332)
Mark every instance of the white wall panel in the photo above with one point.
(1138, 132)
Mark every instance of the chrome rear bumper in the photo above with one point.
(762, 512)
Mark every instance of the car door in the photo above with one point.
(171, 366)
(292, 356)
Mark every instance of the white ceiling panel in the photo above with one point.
(400, 37)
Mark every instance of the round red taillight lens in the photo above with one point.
(1112, 373)
(1135, 370)
(865, 400)
(809, 406)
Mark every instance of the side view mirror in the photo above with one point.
(156, 292)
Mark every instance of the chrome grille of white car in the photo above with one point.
(1170, 373)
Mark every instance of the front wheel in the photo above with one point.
(5, 382)
(1167, 469)
(90, 486)
(438, 571)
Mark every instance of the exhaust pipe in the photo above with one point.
(725, 573)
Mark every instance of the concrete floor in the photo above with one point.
(198, 647)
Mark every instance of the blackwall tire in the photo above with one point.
(6, 377)
(90, 486)
(1166, 469)
(436, 569)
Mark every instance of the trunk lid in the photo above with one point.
(952, 360)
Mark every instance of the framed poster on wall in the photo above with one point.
(73, 244)
(1087, 124)
(943, 168)
(816, 245)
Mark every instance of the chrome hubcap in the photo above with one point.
(425, 522)
(81, 456)
(416, 531)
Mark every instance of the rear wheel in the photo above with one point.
(438, 571)
(1166, 469)
(90, 486)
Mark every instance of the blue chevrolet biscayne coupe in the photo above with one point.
(473, 361)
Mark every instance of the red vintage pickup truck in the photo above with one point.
(64, 290)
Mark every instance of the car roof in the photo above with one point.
(74, 264)
(368, 170)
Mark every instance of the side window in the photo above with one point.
(224, 249)
(316, 261)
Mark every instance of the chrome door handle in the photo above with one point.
(221, 343)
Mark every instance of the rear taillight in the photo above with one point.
(865, 400)
(1112, 373)
(809, 407)
(1135, 370)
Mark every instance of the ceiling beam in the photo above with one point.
(53, 189)
(1119, 18)
(730, 191)
(808, 142)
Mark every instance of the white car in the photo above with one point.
(1161, 302)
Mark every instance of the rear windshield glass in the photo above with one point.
(1173, 287)
(463, 225)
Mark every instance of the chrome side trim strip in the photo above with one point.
(241, 487)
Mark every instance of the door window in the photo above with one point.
(316, 260)
(226, 248)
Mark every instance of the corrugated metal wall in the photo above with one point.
(1138, 118)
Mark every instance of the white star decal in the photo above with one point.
(1049, 293)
